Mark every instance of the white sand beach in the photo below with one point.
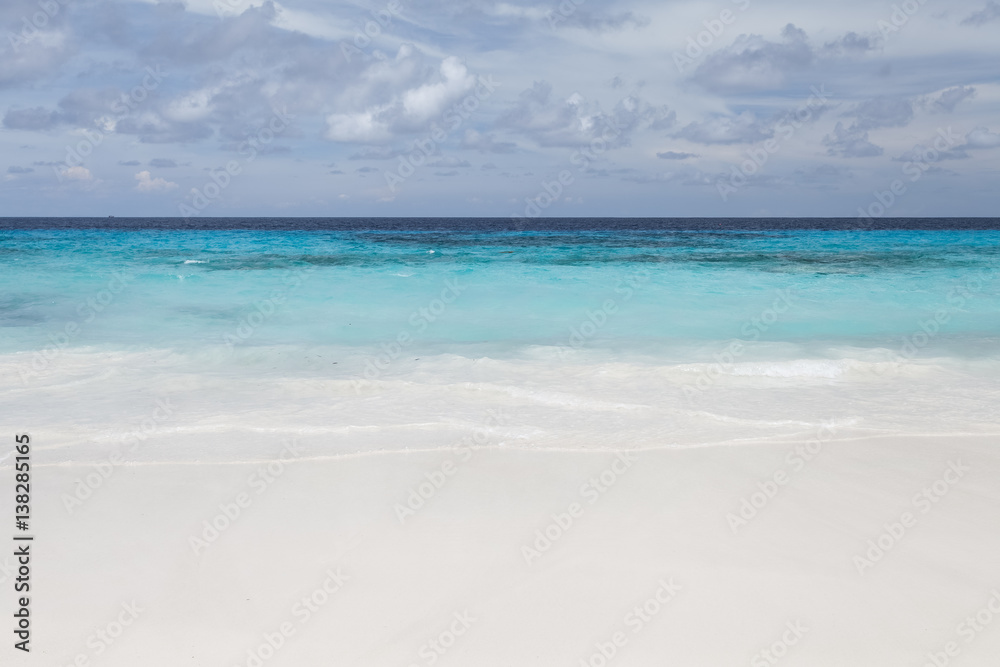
(641, 561)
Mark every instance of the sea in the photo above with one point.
(212, 338)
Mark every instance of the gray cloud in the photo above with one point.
(573, 121)
(19, 170)
(753, 63)
(882, 112)
(485, 143)
(38, 55)
(851, 43)
(597, 23)
(878, 112)
(36, 118)
(129, 163)
(981, 137)
(850, 142)
(162, 163)
(375, 153)
(990, 12)
(449, 162)
(743, 128)
(674, 155)
(950, 98)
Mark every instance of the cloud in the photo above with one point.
(990, 12)
(744, 128)
(78, 174)
(19, 170)
(375, 153)
(981, 137)
(162, 163)
(674, 155)
(152, 128)
(596, 23)
(449, 162)
(400, 97)
(753, 63)
(850, 142)
(573, 121)
(34, 119)
(89, 108)
(129, 163)
(878, 112)
(850, 44)
(148, 184)
(921, 153)
(38, 56)
(950, 98)
(882, 112)
(485, 143)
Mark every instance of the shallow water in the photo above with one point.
(612, 334)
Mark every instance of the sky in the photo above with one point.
(575, 108)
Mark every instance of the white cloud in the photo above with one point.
(406, 110)
(149, 184)
(981, 137)
(78, 174)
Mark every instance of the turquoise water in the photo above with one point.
(363, 337)
(129, 289)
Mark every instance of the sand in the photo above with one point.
(331, 561)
